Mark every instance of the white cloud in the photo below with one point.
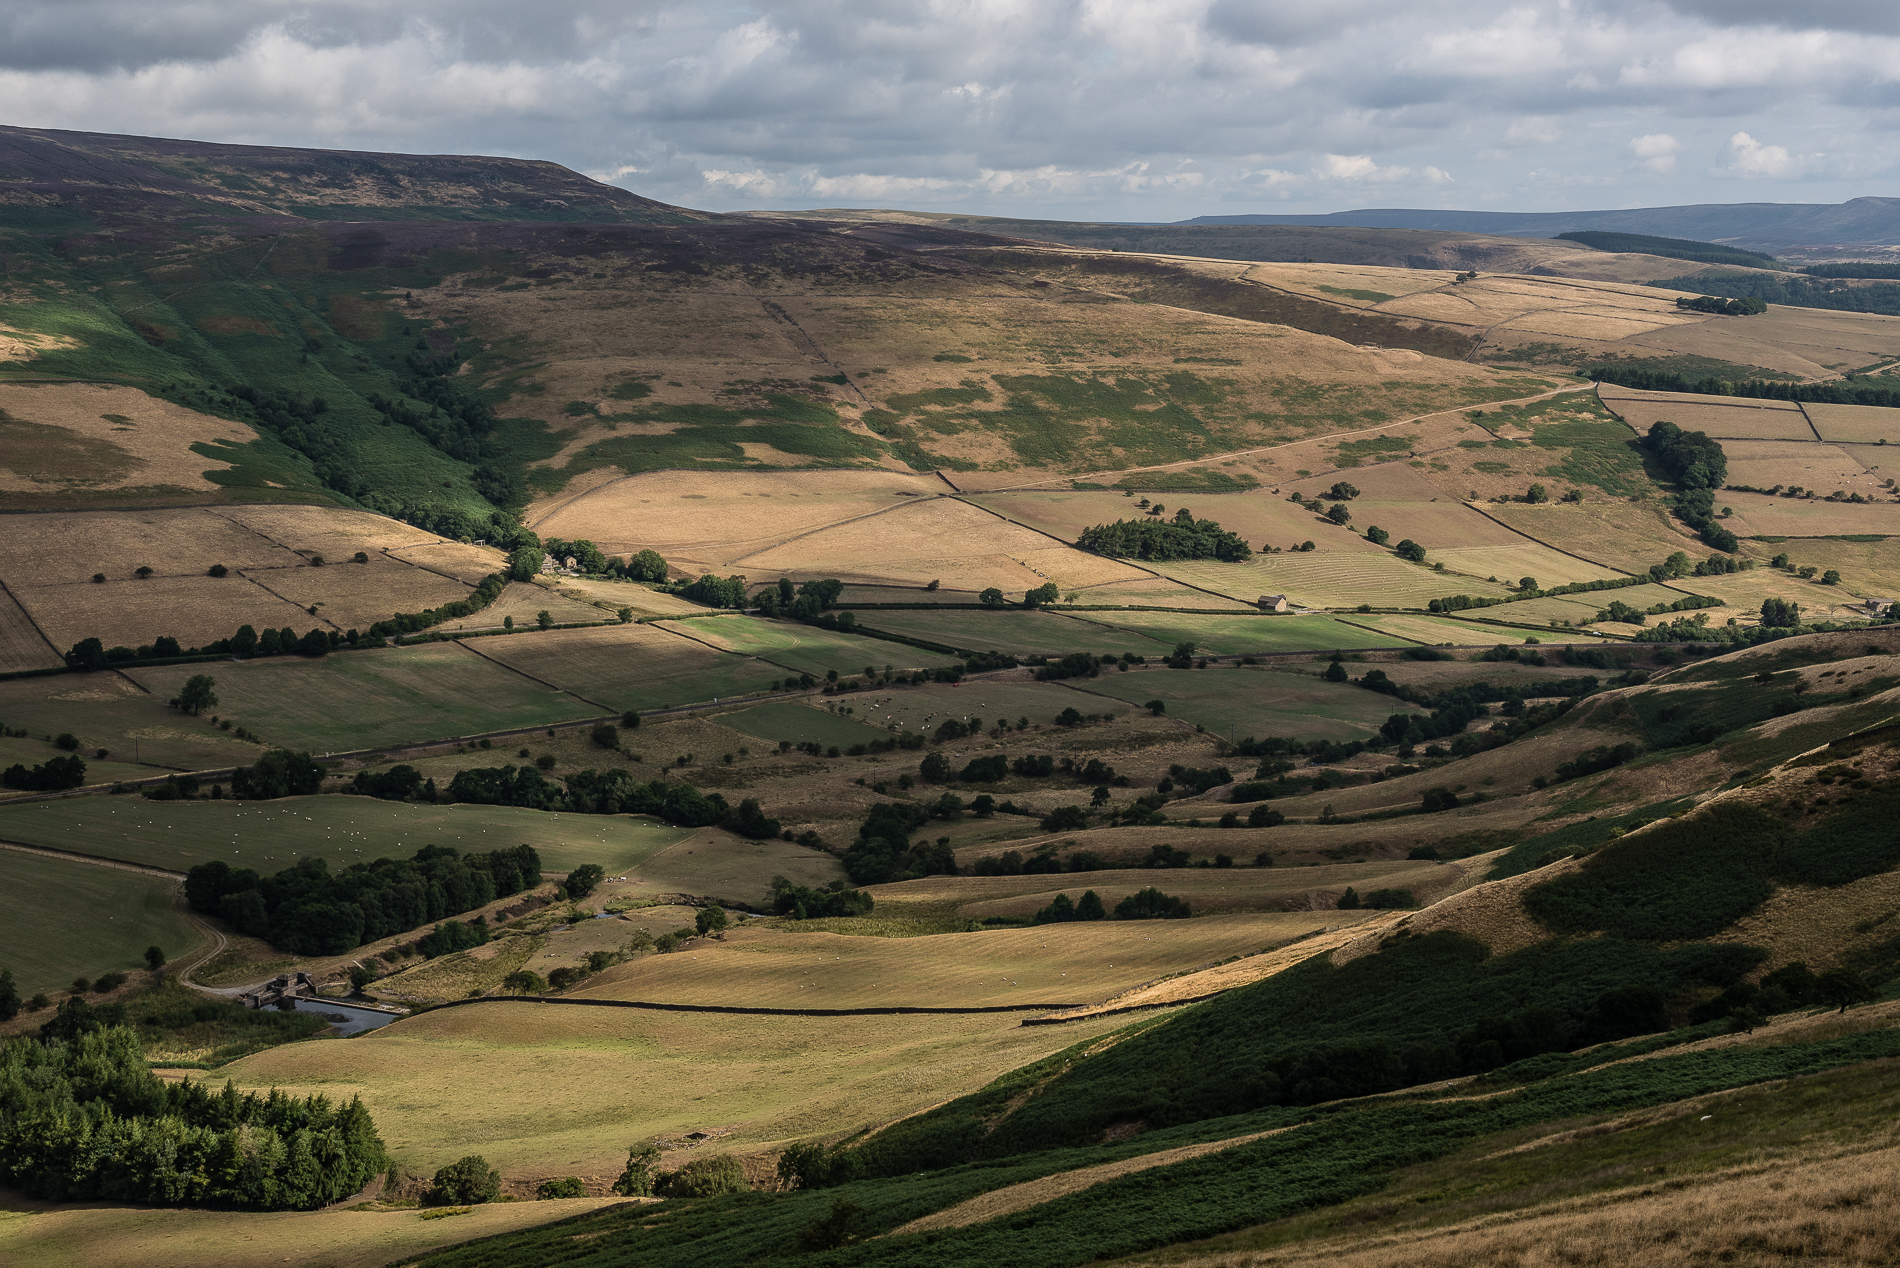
(1657, 150)
(1112, 109)
(1752, 158)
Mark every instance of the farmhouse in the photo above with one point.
(1877, 607)
(1274, 603)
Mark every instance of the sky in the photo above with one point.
(1141, 110)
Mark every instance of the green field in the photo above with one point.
(805, 649)
(268, 835)
(1241, 635)
(1045, 633)
(926, 708)
(633, 666)
(70, 918)
(784, 720)
(358, 700)
(105, 711)
(1235, 702)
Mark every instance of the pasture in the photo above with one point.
(478, 1077)
(523, 600)
(71, 918)
(1810, 464)
(804, 649)
(352, 596)
(1626, 535)
(799, 723)
(459, 560)
(31, 751)
(74, 444)
(270, 835)
(351, 701)
(1157, 592)
(1761, 514)
(1235, 701)
(789, 967)
(714, 863)
(1510, 563)
(107, 710)
(1434, 629)
(630, 666)
(1260, 517)
(1812, 342)
(1222, 635)
(333, 532)
(1019, 632)
(993, 700)
(48, 549)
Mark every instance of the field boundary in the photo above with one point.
(743, 1011)
(530, 677)
(15, 600)
(96, 860)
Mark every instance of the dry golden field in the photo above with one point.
(74, 443)
(1511, 563)
(351, 596)
(1757, 513)
(22, 646)
(628, 666)
(1723, 419)
(333, 532)
(1856, 424)
(54, 547)
(787, 967)
(193, 610)
(1810, 464)
(1157, 592)
(523, 600)
(942, 538)
(454, 559)
(1625, 535)
(1343, 572)
(1811, 342)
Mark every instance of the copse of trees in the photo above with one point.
(803, 903)
(84, 1119)
(1745, 306)
(53, 775)
(1690, 458)
(1182, 538)
(1848, 391)
(307, 910)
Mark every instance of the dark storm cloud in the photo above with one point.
(1121, 109)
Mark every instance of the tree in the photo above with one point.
(990, 598)
(154, 958)
(625, 615)
(606, 735)
(934, 769)
(1089, 907)
(1264, 816)
(1436, 799)
(636, 1181)
(142, 571)
(630, 719)
(1377, 536)
(647, 565)
(244, 642)
(1335, 672)
(524, 982)
(1411, 551)
(582, 880)
(1338, 514)
(361, 557)
(1830, 578)
(702, 1178)
(1537, 493)
(464, 1182)
(9, 996)
(1843, 988)
(278, 773)
(197, 695)
(1343, 492)
(1065, 819)
(838, 1228)
(1156, 707)
(710, 920)
(1047, 593)
(525, 563)
(1527, 583)
(315, 643)
(217, 570)
(1151, 904)
(543, 619)
(1781, 613)
(1348, 901)
(571, 1187)
(87, 654)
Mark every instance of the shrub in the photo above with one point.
(465, 1182)
(1151, 904)
(606, 735)
(702, 1178)
(637, 1180)
(571, 1187)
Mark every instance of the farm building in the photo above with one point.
(1274, 603)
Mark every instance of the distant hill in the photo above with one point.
(1757, 226)
(49, 176)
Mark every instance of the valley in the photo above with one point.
(975, 741)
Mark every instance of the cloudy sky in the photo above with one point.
(1106, 109)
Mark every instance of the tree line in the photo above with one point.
(308, 910)
(1853, 390)
(84, 1119)
(614, 792)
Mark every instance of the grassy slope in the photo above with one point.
(70, 918)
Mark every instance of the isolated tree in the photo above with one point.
(838, 1228)
(1411, 551)
(1780, 613)
(544, 619)
(524, 982)
(1377, 536)
(1435, 799)
(606, 735)
(625, 615)
(571, 1187)
(154, 958)
(1339, 514)
(1335, 672)
(1047, 593)
(710, 921)
(1843, 988)
(1830, 578)
(197, 695)
(1156, 707)
(466, 1181)
(142, 571)
(1537, 493)
(582, 880)
(630, 719)
(98, 578)
(508, 624)
(1527, 583)
(217, 570)
(991, 598)
(1349, 901)
(1343, 492)
(361, 556)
